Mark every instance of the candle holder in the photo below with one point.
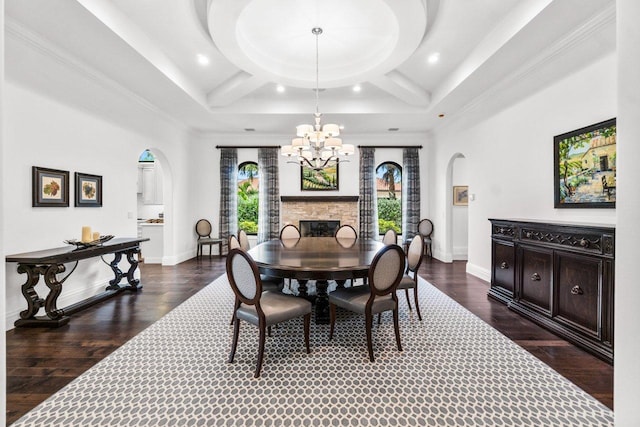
(84, 245)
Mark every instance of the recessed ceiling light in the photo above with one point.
(202, 59)
(249, 129)
(393, 129)
(280, 88)
(433, 58)
(357, 88)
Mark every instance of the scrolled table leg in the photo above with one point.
(114, 284)
(322, 302)
(55, 288)
(134, 284)
(34, 302)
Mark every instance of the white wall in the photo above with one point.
(510, 157)
(627, 294)
(3, 177)
(43, 132)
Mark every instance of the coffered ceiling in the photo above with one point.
(229, 65)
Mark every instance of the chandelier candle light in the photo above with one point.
(316, 145)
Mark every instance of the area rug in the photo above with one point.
(454, 370)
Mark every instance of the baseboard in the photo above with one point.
(479, 272)
(177, 259)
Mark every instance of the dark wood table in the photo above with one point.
(50, 262)
(316, 258)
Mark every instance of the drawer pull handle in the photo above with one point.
(584, 243)
(528, 234)
(504, 265)
(535, 277)
(577, 290)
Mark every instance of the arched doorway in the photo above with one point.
(457, 216)
(154, 203)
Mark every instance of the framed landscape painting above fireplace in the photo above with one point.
(326, 179)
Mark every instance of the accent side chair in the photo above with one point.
(425, 228)
(384, 276)
(262, 309)
(203, 230)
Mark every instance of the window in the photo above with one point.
(248, 201)
(389, 193)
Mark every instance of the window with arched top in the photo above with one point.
(248, 198)
(389, 194)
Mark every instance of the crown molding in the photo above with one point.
(606, 17)
(34, 41)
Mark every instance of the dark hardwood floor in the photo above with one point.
(41, 361)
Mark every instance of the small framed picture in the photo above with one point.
(460, 195)
(49, 187)
(88, 190)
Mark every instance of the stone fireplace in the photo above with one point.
(342, 210)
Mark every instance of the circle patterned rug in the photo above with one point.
(454, 370)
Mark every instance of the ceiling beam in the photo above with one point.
(398, 85)
(239, 85)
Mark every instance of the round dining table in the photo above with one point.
(316, 258)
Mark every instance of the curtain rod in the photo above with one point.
(391, 146)
(247, 146)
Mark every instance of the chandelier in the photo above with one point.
(316, 145)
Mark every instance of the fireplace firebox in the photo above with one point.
(318, 228)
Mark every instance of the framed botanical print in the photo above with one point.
(88, 190)
(49, 187)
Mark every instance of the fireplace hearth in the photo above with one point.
(318, 228)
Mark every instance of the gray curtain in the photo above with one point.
(228, 195)
(269, 211)
(368, 197)
(410, 192)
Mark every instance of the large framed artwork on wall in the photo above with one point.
(585, 167)
(326, 179)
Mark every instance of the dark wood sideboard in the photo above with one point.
(561, 276)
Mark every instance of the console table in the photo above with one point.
(561, 276)
(50, 262)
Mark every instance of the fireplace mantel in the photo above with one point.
(323, 199)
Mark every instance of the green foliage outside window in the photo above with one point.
(389, 215)
(248, 201)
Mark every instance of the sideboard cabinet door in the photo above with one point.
(536, 278)
(579, 292)
(504, 268)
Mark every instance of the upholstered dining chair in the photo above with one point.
(425, 228)
(244, 240)
(262, 309)
(233, 242)
(203, 230)
(384, 275)
(410, 278)
(289, 231)
(346, 232)
(390, 237)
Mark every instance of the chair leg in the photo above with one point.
(379, 317)
(368, 319)
(236, 306)
(406, 292)
(260, 351)
(307, 328)
(234, 342)
(415, 298)
(269, 331)
(332, 319)
(397, 328)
